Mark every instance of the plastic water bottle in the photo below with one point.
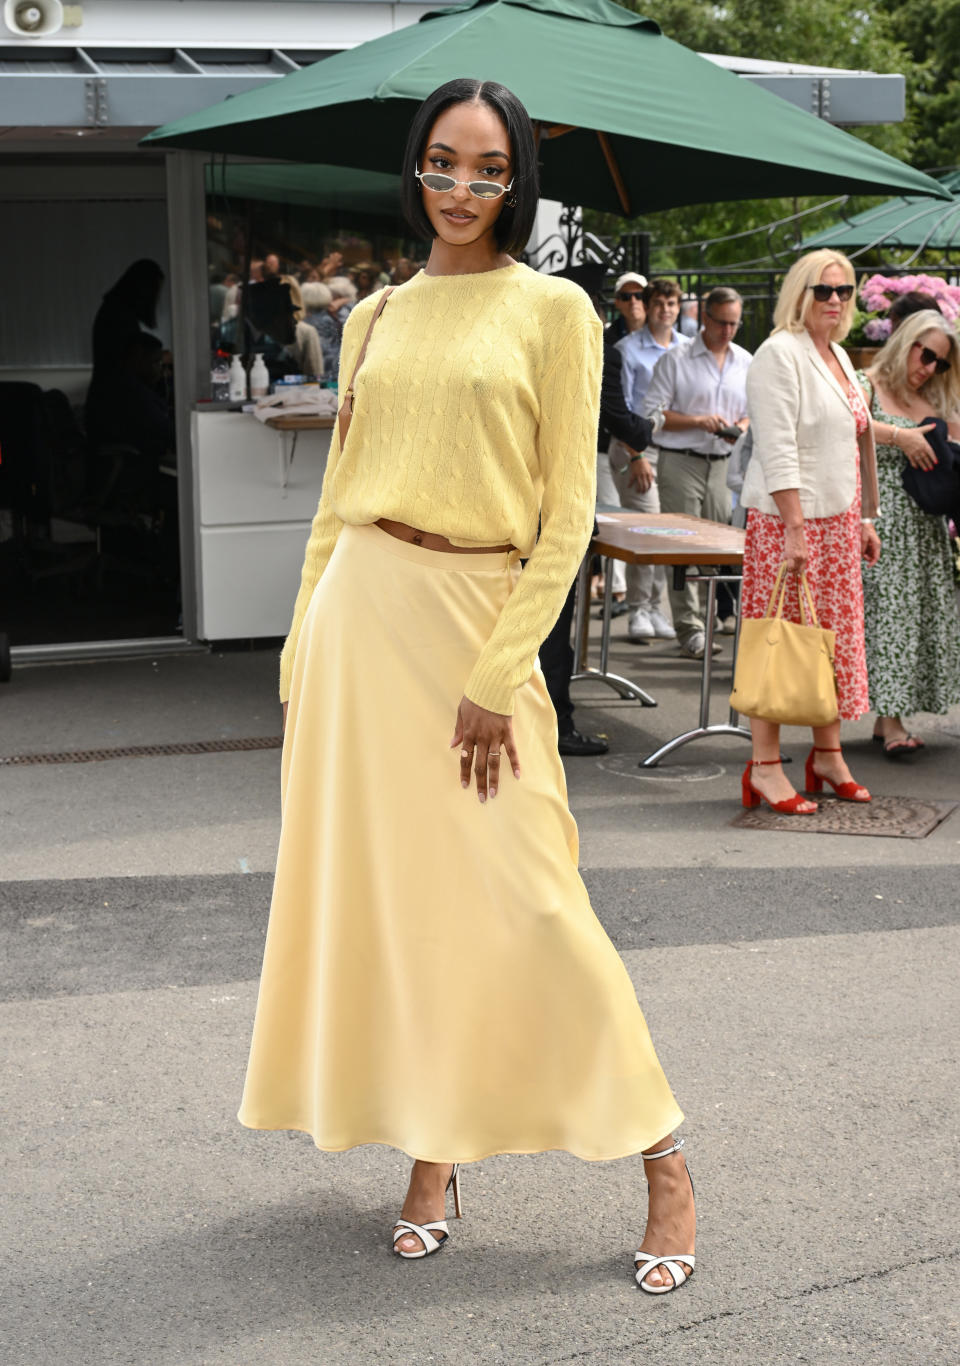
(238, 381)
(259, 378)
(220, 377)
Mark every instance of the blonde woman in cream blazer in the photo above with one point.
(811, 494)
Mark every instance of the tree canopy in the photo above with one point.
(916, 38)
(928, 35)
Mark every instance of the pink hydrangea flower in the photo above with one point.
(877, 292)
(877, 329)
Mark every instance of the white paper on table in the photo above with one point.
(295, 400)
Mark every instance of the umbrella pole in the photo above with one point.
(557, 130)
(614, 169)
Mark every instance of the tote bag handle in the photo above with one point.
(808, 613)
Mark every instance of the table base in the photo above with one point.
(731, 727)
(630, 691)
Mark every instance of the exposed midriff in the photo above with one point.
(430, 541)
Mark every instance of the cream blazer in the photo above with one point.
(803, 431)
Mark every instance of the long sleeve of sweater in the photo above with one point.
(569, 409)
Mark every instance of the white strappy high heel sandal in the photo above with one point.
(645, 1262)
(427, 1232)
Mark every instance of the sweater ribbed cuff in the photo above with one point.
(487, 688)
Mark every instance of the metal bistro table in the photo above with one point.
(660, 538)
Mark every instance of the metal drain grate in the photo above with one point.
(94, 756)
(894, 817)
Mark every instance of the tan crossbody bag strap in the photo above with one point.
(345, 413)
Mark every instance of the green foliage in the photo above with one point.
(929, 32)
(919, 38)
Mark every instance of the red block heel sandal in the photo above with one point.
(847, 792)
(790, 806)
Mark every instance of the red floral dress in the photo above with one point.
(833, 571)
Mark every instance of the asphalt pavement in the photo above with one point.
(802, 991)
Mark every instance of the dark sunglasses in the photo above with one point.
(625, 295)
(928, 357)
(823, 293)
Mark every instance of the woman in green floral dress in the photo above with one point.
(910, 606)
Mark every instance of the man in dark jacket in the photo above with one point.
(556, 652)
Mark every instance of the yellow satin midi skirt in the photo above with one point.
(434, 977)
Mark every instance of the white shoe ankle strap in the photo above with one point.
(664, 1152)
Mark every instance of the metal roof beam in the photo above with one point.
(844, 98)
(145, 87)
(283, 60)
(130, 100)
(182, 61)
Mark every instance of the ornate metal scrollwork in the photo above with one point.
(572, 246)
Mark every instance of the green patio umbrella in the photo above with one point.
(909, 222)
(629, 121)
(329, 187)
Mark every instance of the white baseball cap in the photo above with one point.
(630, 277)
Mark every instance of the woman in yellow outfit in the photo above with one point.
(434, 977)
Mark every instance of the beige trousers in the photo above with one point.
(698, 487)
(645, 582)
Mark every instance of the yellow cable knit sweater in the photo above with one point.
(475, 415)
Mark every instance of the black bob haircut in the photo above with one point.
(514, 225)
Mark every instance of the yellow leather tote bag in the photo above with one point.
(785, 671)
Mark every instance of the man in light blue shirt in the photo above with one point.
(635, 473)
(642, 349)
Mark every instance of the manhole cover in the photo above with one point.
(93, 756)
(629, 766)
(906, 818)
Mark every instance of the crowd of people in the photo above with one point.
(824, 448)
(677, 404)
(296, 311)
(676, 437)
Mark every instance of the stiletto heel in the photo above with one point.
(455, 1183)
(790, 806)
(847, 792)
(645, 1262)
(427, 1232)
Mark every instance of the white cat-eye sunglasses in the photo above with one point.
(480, 189)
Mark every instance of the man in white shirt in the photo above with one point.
(635, 473)
(701, 389)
